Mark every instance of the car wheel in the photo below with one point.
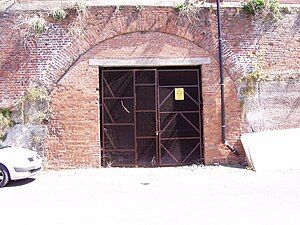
(4, 177)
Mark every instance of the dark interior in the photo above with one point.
(143, 122)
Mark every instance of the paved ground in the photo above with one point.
(187, 195)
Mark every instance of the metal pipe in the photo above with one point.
(221, 72)
(222, 85)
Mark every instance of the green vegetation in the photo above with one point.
(34, 94)
(250, 81)
(33, 105)
(37, 93)
(188, 10)
(58, 14)
(254, 6)
(118, 8)
(77, 27)
(183, 7)
(139, 8)
(80, 7)
(264, 8)
(286, 9)
(5, 121)
(37, 25)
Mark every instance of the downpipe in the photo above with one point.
(222, 85)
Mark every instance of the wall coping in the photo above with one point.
(149, 62)
(12, 5)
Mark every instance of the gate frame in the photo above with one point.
(144, 64)
(198, 69)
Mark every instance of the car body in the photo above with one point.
(17, 163)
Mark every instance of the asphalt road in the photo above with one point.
(186, 195)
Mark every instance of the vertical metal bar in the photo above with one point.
(134, 120)
(99, 117)
(102, 119)
(156, 118)
(200, 112)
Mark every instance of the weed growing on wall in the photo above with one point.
(58, 14)
(25, 123)
(28, 28)
(249, 84)
(118, 8)
(286, 10)
(37, 25)
(33, 105)
(139, 8)
(263, 8)
(188, 10)
(77, 27)
(250, 80)
(254, 6)
(5, 122)
(274, 9)
(255, 75)
(37, 94)
(80, 7)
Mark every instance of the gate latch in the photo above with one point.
(157, 132)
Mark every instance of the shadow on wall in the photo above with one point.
(275, 105)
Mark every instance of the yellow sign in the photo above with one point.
(179, 94)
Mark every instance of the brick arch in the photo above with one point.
(149, 53)
(161, 20)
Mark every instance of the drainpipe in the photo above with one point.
(223, 114)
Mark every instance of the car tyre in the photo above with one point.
(4, 176)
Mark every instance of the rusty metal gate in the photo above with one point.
(151, 117)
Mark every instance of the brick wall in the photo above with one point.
(74, 128)
(156, 32)
(161, 2)
(281, 1)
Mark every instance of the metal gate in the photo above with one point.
(151, 117)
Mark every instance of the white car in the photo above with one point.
(17, 163)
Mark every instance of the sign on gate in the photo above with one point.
(179, 94)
